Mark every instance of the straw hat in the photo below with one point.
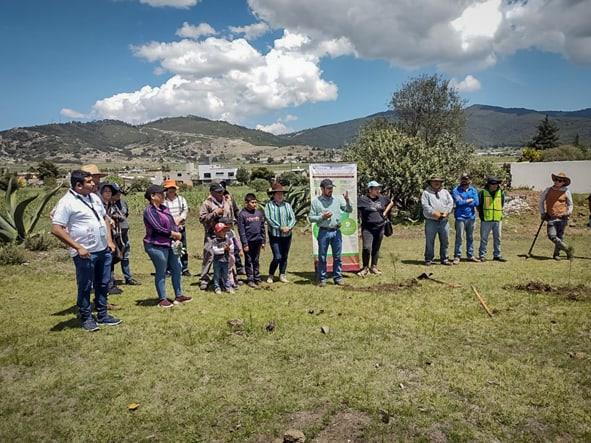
(561, 176)
(92, 169)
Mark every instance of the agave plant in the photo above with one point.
(16, 224)
(299, 199)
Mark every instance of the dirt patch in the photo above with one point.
(576, 293)
(345, 426)
(386, 287)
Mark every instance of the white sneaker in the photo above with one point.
(217, 291)
(270, 279)
(283, 278)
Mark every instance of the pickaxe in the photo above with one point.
(425, 276)
(531, 248)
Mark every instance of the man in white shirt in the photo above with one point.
(80, 221)
(177, 205)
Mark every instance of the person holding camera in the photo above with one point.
(556, 206)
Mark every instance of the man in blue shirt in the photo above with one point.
(466, 201)
(326, 211)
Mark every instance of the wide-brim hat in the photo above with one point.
(493, 180)
(168, 184)
(216, 187)
(561, 176)
(92, 169)
(435, 178)
(276, 187)
(115, 189)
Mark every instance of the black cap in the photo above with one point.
(493, 180)
(216, 187)
(326, 183)
(153, 189)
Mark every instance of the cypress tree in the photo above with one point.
(547, 135)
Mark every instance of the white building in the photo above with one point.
(537, 175)
(209, 173)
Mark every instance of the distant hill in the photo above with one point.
(486, 126)
(196, 137)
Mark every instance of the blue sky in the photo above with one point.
(65, 58)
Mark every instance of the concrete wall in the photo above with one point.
(537, 175)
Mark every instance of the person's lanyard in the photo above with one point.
(88, 205)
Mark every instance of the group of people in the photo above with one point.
(91, 219)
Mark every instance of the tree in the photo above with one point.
(547, 135)
(290, 178)
(262, 172)
(243, 175)
(46, 170)
(428, 107)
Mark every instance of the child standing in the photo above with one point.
(222, 248)
(251, 227)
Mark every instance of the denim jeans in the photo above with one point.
(125, 269)
(93, 272)
(485, 228)
(163, 258)
(461, 227)
(280, 249)
(432, 229)
(555, 230)
(334, 239)
(220, 274)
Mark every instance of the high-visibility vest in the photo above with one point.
(492, 205)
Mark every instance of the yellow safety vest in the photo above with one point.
(492, 206)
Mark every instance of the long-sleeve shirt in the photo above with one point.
(464, 210)
(218, 248)
(336, 205)
(251, 226)
(278, 216)
(562, 201)
(159, 225)
(209, 218)
(436, 201)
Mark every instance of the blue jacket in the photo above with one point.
(464, 210)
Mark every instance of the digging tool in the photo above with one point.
(425, 276)
(482, 302)
(531, 248)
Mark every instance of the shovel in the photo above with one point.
(425, 276)
(531, 248)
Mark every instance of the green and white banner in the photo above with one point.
(344, 177)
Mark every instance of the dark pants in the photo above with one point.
(555, 229)
(125, 269)
(372, 241)
(93, 272)
(252, 260)
(280, 248)
(185, 256)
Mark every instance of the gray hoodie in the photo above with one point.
(432, 202)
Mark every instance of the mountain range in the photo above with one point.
(195, 137)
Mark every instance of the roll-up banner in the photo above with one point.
(344, 177)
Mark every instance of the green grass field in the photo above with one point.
(423, 363)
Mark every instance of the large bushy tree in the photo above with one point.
(546, 136)
(429, 107)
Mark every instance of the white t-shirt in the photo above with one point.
(74, 212)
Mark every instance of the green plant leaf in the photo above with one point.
(34, 218)
(19, 218)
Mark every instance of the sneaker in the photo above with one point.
(283, 278)
(115, 291)
(186, 273)
(456, 261)
(230, 290)
(239, 283)
(339, 282)
(363, 273)
(500, 258)
(428, 263)
(217, 291)
(252, 285)
(322, 284)
(165, 304)
(556, 257)
(482, 259)
(182, 299)
(270, 279)
(89, 325)
(374, 270)
(474, 259)
(446, 262)
(132, 282)
(109, 320)
(203, 285)
(570, 252)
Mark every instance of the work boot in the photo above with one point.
(500, 258)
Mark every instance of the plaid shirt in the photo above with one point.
(178, 207)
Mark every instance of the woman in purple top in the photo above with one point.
(162, 246)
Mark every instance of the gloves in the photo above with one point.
(564, 218)
(545, 216)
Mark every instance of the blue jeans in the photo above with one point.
(163, 259)
(334, 239)
(555, 229)
(432, 229)
(93, 272)
(461, 227)
(220, 274)
(485, 228)
(280, 249)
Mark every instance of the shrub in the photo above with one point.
(40, 242)
(12, 254)
(139, 184)
(564, 153)
(530, 155)
(259, 184)
(290, 178)
(262, 172)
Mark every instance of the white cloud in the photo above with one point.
(469, 84)
(192, 31)
(251, 32)
(276, 128)
(222, 79)
(455, 35)
(181, 4)
(72, 113)
(290, 118)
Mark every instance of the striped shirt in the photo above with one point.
(178, 207)
(159, 224)
(278, 216)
